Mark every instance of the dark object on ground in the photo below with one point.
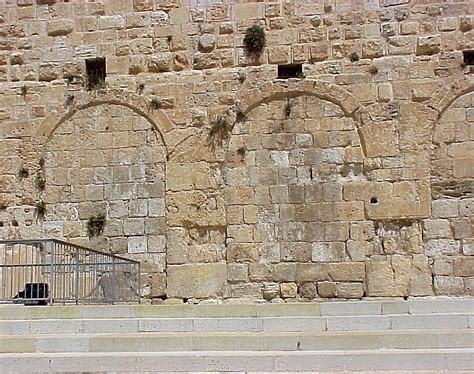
(33, 294)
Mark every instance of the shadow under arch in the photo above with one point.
(157, 118)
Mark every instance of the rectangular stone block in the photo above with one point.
(227, 324)
(109, 325)
(351, 308)
(165, 325)
(441, 306)
(276, 310)
(430, 322)
(358, 323)
(196, 280)
(294, 324)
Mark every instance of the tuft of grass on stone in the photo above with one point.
(239, 115)
(373, 69)
(354, 57)
(23, 173)
(254, 39)
(155, 103)
(95, 225)
(40, 210)
(287, 109)
(40, 183)
(69, 99)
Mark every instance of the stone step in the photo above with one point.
(259, 341)
(245, 324)
(458, 360)
(330, 308)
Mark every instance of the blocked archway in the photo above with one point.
(285, 171)
(108, 158)
(452, 183)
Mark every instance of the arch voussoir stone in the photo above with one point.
(446, 95)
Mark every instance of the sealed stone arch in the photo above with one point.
(449, 234)
(107, 158)
(289, 215)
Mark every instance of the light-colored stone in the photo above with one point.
(199, 280)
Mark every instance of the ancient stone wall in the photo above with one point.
(354, 179)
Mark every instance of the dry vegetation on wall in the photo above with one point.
(272, 151)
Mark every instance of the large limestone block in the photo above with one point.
(420, 277)
(196, 280)
(388, 277)
(464, 266)
(405, 200)
(195, 208)
(60, 27)
(428, 45)
(380, 139)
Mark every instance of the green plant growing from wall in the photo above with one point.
(288, 108)
(155, 103)
(219, 128)
(23, 90)
(40, 210)
(98, 85)
(254, 39)
(373, 69)
(69, 99)
(354, 57)
(95, 225)
(40, 183)
(239, 116)
(23, 173)
(300, 75)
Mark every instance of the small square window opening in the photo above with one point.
(96, 73)
(290, 71)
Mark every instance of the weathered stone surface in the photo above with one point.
(388, 276)
(197, 280)
(464, 266)
(428, 45)
(327, 289)
(349, 290)
(60, 27)
(270, 291)
(207, 42)
(288, 290)
(308, 290)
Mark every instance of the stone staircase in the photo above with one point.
(420, 334)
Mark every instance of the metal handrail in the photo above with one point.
(53, 271)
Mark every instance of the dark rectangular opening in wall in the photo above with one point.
(468, 57)
(96, 73)
(290, 71)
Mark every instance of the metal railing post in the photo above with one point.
(76, 281)
(139, 284)
(113, 280)
(50, 249)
